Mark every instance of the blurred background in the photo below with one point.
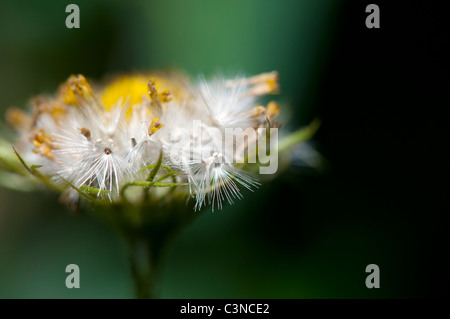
(380, 198)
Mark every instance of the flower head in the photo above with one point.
(151, 131)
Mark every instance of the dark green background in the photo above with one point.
(307, 234)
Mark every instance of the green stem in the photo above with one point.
(145, 258)
(299, 136)
(148, 231)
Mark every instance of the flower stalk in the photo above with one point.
(147, 242)
(144, 259)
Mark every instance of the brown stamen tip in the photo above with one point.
(86, 133)
(166, 96)
(18, 119)
(107, 150)
(151, 87)
(154, 126)
(79, 85)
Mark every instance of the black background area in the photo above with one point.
(383, 106)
